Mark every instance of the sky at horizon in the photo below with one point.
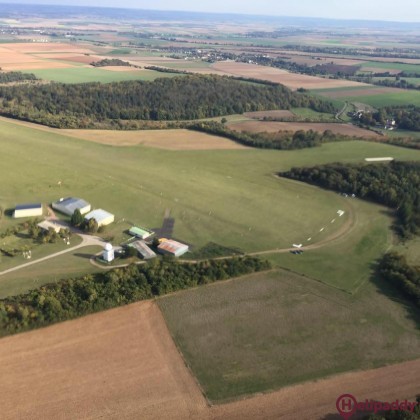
(403, 10)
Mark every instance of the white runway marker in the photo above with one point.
(321, 229)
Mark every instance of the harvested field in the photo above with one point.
(161, 139)
(117, 364)
(40, 65)
(46, 47)
(316, 400)
(123, 364)
(120, 68)
(349, 93)
(291, 80)
(270, 114)
(83, 59)
(273, 127)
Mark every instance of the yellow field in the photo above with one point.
(161, 139)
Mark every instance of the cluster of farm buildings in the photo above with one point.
(138, 235)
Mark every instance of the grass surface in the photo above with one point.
(311, 114)
(411, 97)
(73, 264)
(227, 197)
(87, 74)
(373, 98)
(410, 68)
(270, 330)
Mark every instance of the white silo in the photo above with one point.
(108, 254)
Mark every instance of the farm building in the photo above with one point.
(28, 210)
(171, 247)
(102, 217)
(143, 250)
(47, 225)
(70, 204)
(140, 232)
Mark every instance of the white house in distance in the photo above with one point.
(28, 210)
(174, 248)
(70, 204)
(102, 217)
(108, 254)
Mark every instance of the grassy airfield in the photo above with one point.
(230, 197)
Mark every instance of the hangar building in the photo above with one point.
(70, 204)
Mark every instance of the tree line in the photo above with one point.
(406, 116)
(280, 140)
(110, 62)
(179, 98)
(72, 298)
(396, 185)
(395, 269)
(16, 76)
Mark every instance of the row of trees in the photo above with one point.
(396, 185)
(179, 98)
(71, 298)
(110, 62)
(397, 83)
(281, 140)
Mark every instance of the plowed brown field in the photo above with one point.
(123, 364)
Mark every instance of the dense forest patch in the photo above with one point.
(396, 185)
(71, 298)
(16, 76)
(180, 98)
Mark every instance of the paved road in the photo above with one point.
(87, 240)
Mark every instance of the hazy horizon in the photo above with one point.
(384, 10)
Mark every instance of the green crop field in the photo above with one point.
(311, 114)
(91, 74)
(229, 197)
(265, 331)
(373, 97)
(411, 68)
(399, 98)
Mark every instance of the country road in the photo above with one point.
(87, 240)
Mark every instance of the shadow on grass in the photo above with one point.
(80, 255)
(9, 212)
(394, 294)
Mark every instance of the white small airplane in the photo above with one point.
(297, 245)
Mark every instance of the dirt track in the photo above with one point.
(123, 364)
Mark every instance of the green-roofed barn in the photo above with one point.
(140, 232)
